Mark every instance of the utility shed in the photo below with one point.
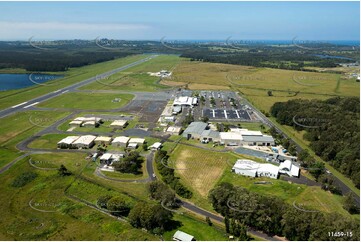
(155, 146)
(181, 236)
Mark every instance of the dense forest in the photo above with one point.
(273, 216)
(290, 58)
(61, 55)
(332, 127)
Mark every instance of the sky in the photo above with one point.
(180, 20)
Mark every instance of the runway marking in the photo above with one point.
(57, 91)
(214, 113)
(19, 105)
(65, 91)
(237, 114)
(31, 105)
(225, 114)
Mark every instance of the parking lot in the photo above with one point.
(234, 114)
(223, 105)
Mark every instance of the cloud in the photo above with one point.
(21, 30)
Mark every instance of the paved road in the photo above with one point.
(33, 102)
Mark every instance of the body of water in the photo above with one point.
(17, 81)
(334, 57)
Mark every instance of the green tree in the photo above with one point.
(118, 206)
(269, 93)
(350, 205)
(208, 220)
(103, 200)
(63, 171)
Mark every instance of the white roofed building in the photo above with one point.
(137, 140)
(255, 169)
(231, 138)
(185, 101)
(119, 123)
(103, 140)
(288, 168)
(155, 146)
(85, 141)
(121, 141)
(181, 236)
(67, 142)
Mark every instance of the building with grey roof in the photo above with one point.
(195, 130)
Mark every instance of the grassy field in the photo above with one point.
(70, 220)
(74, 75)
(48, 141)
(199, 229)
(203, 169)
(88, 101)
(254, 82)
(137, 78)
(27, 124)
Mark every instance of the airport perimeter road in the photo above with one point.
(35, 101)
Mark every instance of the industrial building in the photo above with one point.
(84, 142)
(255, 169)
(185, 101)
(120, 141)
(67, 142)
(289, 169)
(119, 124)
(174, 130)
(86, 121)
(137, 140)
(103, 140)
(235, 137)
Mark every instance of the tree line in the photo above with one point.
(168, 175)
(332, 127)
(276, 217)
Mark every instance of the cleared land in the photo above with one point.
(137, 78)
